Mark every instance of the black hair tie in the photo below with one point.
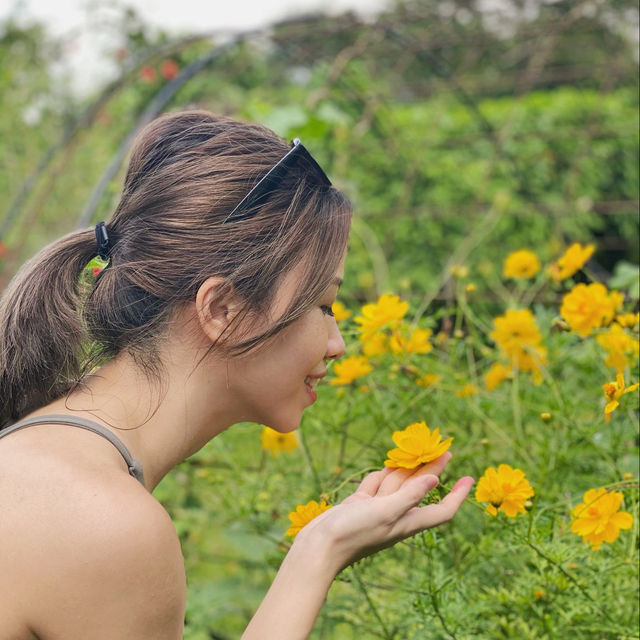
(102, 238)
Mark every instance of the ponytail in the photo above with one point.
(42, 333)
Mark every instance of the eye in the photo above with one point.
(327, 310)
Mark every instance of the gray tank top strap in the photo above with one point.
(135, 468)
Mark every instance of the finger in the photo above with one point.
(394, 480)
(399, 476)
(372, 481)
(408, 495)
(435, 514)
(437, 466)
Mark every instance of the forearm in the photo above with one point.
(291, 606)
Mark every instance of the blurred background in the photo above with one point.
(459, 128)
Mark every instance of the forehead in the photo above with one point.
(290, 285)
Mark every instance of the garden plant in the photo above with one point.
(489, 305)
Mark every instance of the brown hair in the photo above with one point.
(187, 172)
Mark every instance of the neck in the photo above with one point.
(162, 422)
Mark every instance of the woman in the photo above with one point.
(224, 255)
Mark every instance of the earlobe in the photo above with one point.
(216, 306)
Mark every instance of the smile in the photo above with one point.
(312, 383)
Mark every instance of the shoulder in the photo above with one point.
(98, 553)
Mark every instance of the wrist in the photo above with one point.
(314, 555)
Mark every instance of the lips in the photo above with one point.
(312, 380)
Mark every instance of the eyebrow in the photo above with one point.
(337, 282)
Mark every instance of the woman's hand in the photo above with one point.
(382, 511)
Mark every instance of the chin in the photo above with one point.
(282, 424)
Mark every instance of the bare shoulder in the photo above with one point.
(97, 554)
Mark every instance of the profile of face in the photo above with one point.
(275, 383)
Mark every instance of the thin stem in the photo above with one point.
(370, 602)
(307, 457)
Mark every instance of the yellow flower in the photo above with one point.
(470, 288)
(622, 349)
(515, 330)
(348, 369)
(539, 593)
(304, 514)
(387, 312)
(613, 391)
(467, 390)
(417, 342)
(521, 264)
(546, 416)
(416, 445)
(504, 489)
(629, 320)
(496, 374)
(275, 442)
(375, 345)
(518, 337)
(589, 306)
(428, 379)
(598, 519)
(571, 261)
(340, 312)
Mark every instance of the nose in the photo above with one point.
(335, 343)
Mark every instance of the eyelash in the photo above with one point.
(327, 310)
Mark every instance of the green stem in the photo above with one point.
(370, 602)
(307, 457)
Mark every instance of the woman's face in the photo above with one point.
(273, 385)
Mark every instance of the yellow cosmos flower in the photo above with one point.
(629, 320)
(428, 379)
(505, 489)
(571, 261)
(467, 390)
(340, 312)
(599, 519)
(613, 391)
(386, 313)
(416, 444)
(521, 264)
(518, 337)
(495, 375)
(376, 345)
(589, 306)
(275, 442)
(304, 514)
(515, 330)
(416, 342)
(621, 348)
(348, 369)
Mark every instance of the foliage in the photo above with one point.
(481, 576)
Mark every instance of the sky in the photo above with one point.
(84, 24)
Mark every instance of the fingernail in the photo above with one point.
(464, 482)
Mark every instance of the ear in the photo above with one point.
(216, 306)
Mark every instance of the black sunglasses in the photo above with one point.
(263, 189)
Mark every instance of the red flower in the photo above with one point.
(147, 74)
(169, 69)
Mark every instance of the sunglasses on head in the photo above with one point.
(263, 189)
